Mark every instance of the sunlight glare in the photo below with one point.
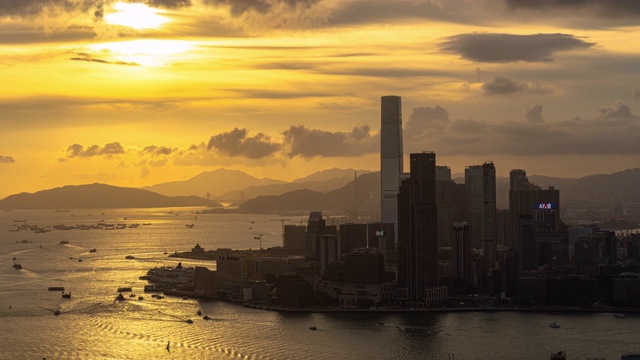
(135, 15)
(144, 52)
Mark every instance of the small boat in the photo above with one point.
(56, 313)
(619, 315)
(120, 297)
(140, 298)
(124, 289)
(14, 258)
(129, 257)
(189, 321)
(79, 260)
(560, 355)
(56, 288)
(190, 225)
(66, 295)
(313, 328)
(380, 323)
(63, 242)
(159, 296)
(554, 325)
(199, 313)
(206, 317)
(185, 298)
(17, 266)
(132, 295)
(93, 250)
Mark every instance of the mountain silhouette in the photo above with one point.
(98, 196)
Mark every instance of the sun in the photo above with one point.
(135, 15)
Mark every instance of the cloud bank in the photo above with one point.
(6, 159)
(504, 48)
(108, 150)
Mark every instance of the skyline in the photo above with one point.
(135, 94)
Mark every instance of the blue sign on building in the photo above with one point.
(545, 206)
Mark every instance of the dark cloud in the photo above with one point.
(534, 114)
(612, 131)
(237, 143)
(239, 7)
(154, 150)
(602, 8)
(424, 121)
(620, 111)
(504, 86)
(501, 85)
(9, 8)
(108, 150)
(6, 159)
(171, 4)
(308, 143)
(90, 59)
(364, 11)
(501, 48)
(35, 7)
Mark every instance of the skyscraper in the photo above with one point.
(528, 202)
(473, 203)
(390, 157)
(417, 230)
(489, 213)
(461, 252)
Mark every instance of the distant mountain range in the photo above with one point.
(235, 185)
(216, 183)
(329, 190)
(604, 188)
(363, 193)
(98, 196)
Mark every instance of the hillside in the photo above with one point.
(600, 188)
(216, 183)
(98, 196)
(306, 200)
(279, 189)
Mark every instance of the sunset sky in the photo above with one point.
(139, 93)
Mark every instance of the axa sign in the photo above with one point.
(545, 206)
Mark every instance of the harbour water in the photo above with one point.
(91, 325)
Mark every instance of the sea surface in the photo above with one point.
(91, 325)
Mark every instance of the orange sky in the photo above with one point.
(139, 93)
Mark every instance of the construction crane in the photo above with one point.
(282, 221)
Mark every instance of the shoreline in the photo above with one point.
(487, 309)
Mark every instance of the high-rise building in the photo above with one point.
(450, 200)
(530, 203)
(353, 236)
(391, 166)
(473, 202)
(417, 229)
(461, 252)
(295, 237)
(489, 213)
